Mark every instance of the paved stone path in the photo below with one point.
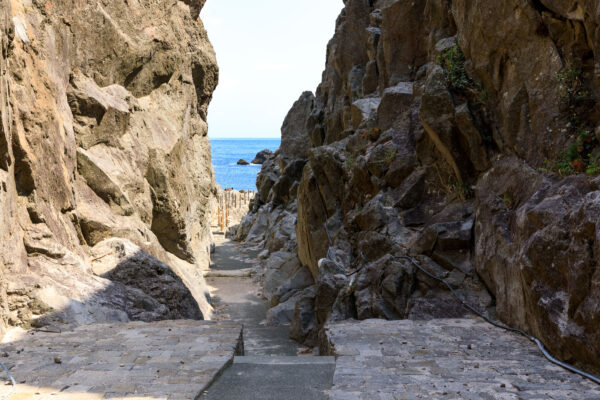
(238, 299)
(189, 360)
(444, 359)
(271, 368)
(174, 360)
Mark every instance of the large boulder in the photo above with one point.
(119, 260)
(536, 244)
(293, 130)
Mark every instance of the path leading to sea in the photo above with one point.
(272, 366)
(238, 357)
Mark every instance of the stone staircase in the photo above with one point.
(270, 367)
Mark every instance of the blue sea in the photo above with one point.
(227, 152)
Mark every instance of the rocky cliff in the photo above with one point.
(461, 132)
(104, 161)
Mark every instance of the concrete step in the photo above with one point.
(274, 378)
(238, 273)
(283, 360)
(268, 341)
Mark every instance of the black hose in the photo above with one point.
(545, 352)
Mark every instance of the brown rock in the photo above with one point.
(94, 138)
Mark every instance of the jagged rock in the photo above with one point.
(293, 130)
(266, 178)
(243, 162)
(282, 313)
(381, 158)
(281, 233)
(301, 279)
(304, 327)
(364, 109)
(94, 135)
(437, 116)
(262, 156)
(285, 190)
(471, 137)
(534, 251)
(396, 100)
(411, 191)
(279, 267)
(455, 114)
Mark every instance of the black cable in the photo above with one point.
(545, 352)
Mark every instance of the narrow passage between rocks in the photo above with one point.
(271, 365)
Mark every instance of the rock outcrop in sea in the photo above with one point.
(262, 156)
(105, 171)
(463, 134)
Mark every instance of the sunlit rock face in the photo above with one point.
(104, 137)
(444, 129)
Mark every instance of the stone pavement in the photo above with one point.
(444, 359)
(271, 367)
(274, 378)
(162, 360)
(237, 298)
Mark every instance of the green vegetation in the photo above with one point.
(509, 200)
(453, 62)
(581, 157)
(574, 96)
(389, 155)
(461, 190)
(350, 160)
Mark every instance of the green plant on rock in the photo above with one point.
(574, 96)
(389, 155)
(593, 167)
(562, 166)
(580, 157)
(350, 160)
(509, 200)
(460, 190)
(453, 62)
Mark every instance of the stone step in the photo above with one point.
(268, 341)
(274, 378)
(238, 273)
(283, 360)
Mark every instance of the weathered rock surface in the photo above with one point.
(104, 139)
(262, 156)
(437, 134)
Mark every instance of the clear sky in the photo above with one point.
(269, 52)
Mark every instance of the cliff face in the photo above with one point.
(465, 134)
(105, 165)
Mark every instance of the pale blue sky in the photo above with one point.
(269, 52)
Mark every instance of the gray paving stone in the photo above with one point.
(161, 360)
(444, 359)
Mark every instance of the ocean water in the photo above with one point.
(227, 152)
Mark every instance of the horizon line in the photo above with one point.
(243, 138)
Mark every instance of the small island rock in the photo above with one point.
(262, 156)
